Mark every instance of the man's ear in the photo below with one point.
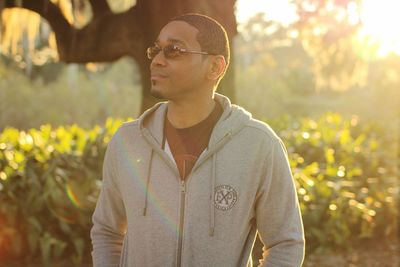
(217, 67)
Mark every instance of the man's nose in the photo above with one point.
(159, 59)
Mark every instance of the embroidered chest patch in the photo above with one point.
(225, 197)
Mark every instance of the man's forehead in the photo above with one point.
(172, 40)
(178, 32)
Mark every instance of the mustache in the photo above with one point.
(157, 72)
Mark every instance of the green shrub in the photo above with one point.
(49, 182)
(345, 173)
(50, 178)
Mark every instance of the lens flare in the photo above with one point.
(73, 196)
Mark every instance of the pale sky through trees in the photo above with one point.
(379, 18)
(279, 10)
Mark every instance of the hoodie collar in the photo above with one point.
(232, 120)
(152, 120)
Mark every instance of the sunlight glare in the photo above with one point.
(380, 20)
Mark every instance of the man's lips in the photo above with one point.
(158, 76)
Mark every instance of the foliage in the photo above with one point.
(49, 186)
(346, 178)
(49, 182)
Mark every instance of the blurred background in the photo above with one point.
(325, 74)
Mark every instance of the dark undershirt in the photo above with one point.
(187, 144)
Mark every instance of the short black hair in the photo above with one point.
(212, 36)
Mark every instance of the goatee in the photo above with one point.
(156, 94)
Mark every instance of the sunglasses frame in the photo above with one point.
(174, 48)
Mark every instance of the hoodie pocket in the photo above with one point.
(124, 253)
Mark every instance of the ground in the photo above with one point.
(384, 253)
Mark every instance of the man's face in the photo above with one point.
(183, 75)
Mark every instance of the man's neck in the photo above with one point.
(184, 114)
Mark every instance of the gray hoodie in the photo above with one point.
(241, 184)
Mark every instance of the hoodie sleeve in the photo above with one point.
(109, 219)
(278, 215)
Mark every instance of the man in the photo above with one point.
(192, 180)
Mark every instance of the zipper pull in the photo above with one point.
(183, 187)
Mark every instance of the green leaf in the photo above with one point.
(35, 223)
(79, 245)
(329, 155)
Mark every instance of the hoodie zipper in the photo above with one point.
(183, 197)
(181, 222)
(222, 141)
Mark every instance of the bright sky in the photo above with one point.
(380, 18)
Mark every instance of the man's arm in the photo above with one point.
(109, 219)
(278, 215)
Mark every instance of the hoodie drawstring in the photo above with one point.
(148, 182)
(212, 207)
(212, 189)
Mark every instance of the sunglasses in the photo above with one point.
(170, 51)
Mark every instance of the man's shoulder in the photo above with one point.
(263, 129)
(129, 124)
(127, 129)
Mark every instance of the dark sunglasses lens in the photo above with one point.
(152, 51)
(171, 51)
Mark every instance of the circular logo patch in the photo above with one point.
(225, 197)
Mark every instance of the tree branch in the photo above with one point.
(104, 39)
